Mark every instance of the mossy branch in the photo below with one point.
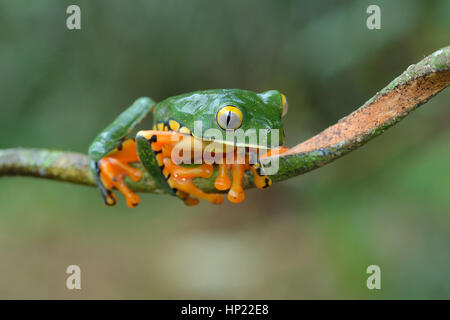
(415, 86)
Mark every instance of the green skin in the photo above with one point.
(260, 111)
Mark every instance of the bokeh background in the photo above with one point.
(388, 203)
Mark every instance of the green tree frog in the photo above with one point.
(115, 149)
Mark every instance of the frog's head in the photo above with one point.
(227, 111)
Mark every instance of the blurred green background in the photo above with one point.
(387, 203)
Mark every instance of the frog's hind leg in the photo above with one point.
(202, 171)
(114, 167)
(188, 200)
(180, 178)
(109, 144)
(188, 187)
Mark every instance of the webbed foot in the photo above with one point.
(180, 178)
(114, 168)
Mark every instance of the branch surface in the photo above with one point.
(412, 88)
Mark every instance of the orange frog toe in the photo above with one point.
(113, 170)
(223, 180)
(236, 193)
(261, 181)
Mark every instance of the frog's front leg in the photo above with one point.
(261, 181)
(223, 182)
(236, 193)
(114, 167)
(109, 155)
(188, 187)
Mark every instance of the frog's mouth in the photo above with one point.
(217, 142)
(247, 140)
(213, 143)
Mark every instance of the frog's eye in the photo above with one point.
(229, 118)
(284, 105)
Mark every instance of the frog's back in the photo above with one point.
(203, 102)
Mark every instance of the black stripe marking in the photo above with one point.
(120, 146)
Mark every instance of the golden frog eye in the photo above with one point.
(229, 118)
(284, 105)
